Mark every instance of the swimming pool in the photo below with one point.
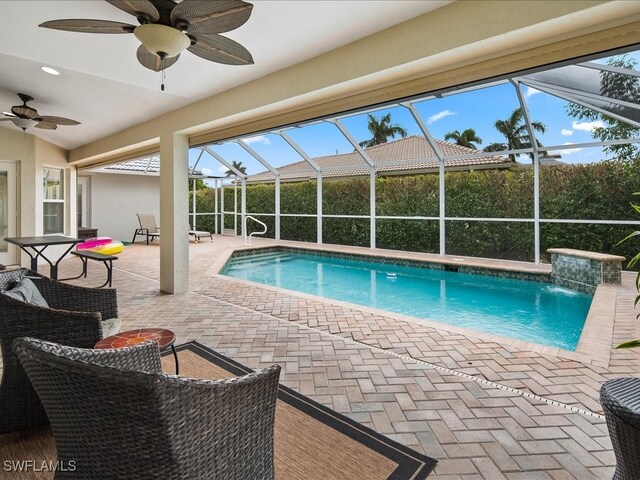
(532, 311)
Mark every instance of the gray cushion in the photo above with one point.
(26, 291)
(110, 326)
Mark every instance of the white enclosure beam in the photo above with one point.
(221, 206)
(243, 206)
(570, 98)
(215, 207)
(441, 172)
(258, 157)
(298, 149)
(277, 205)
(536, 170)
(319, 208)
(372, 208)
(573, 92)
(609, 68)
(193, 169)
(372, 178)
(219, 157)
(365, 156)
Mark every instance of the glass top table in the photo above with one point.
(35, 247)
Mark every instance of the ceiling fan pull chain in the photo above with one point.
(162, 85)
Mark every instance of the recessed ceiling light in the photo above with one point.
(50, 71)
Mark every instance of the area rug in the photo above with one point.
(312, 442)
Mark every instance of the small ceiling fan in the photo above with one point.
(167, 28)
(24, 116)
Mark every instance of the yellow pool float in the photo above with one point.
(108, 249)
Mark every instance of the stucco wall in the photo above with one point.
(115, 200)
(31, 154)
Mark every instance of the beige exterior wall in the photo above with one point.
(115, 200)
(32, 154)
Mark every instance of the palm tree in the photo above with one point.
(381, 130)
(468, 138)
(238, 166)
(516, 133)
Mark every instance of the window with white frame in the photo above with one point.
(53, 203)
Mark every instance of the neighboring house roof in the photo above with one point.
(412, 154)
(145, 165)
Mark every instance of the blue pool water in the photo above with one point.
(531, 311)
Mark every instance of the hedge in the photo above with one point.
(591, 191)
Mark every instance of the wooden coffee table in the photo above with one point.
(165, 338)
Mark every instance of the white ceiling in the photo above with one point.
(103, 86)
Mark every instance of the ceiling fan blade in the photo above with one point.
(46, 125)
(57, 120)
(211, 17)
(137, 7)
(153, 61)
(24, 111)
(7, 119)
(219, 49)
(89, 26)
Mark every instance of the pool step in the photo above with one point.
(260, 259)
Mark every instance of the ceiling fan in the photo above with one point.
(167, 28)
(24, 116)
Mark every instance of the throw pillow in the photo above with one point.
(26, 291)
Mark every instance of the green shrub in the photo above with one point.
(599, 191)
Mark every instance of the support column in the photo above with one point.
(174, 211)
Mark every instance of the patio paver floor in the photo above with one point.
(371, 368)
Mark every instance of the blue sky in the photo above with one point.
(477, 109)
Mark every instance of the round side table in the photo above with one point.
(165, 338)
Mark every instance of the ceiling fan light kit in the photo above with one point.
(167, 28)
(162, 40)
(23, 123)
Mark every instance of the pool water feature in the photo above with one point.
(535, 312)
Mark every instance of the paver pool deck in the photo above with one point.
(484, 407)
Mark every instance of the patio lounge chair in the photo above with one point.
(116, 415)
(73, 317)
(148, 227)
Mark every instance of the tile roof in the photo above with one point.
(138, 165)
(401, 156)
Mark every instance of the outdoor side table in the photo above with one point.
(35, 247)
(620, 399)
(165, 338)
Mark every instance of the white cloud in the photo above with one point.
(258, 139)
(587, 126)
(439, 116)
(206, 171)
(569, 151)
(221, 169)
(566, 132)
(530, 92)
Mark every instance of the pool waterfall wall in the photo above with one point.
(584, 271)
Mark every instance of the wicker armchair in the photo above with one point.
(74, 318)
(116, 416)
(620, 399)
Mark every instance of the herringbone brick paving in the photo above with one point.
(476, 431)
